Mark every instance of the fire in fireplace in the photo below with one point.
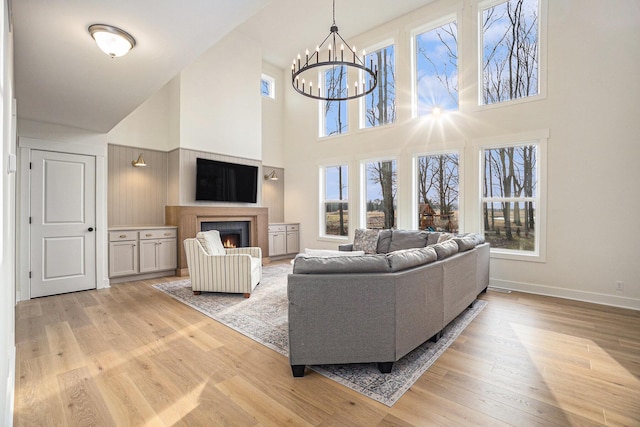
(234, 234)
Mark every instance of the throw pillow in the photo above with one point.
(408, 239)
(365, 240)
(444, 237)
(203, 242)
(384, 241)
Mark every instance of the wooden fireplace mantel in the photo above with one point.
(188, 219)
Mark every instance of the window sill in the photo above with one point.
(517, 255)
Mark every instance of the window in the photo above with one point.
(267, 86)
(380, 182)
(512, 203)
(380, 105)
(438, 185)
(335, 204)
(436, 62)
(510, 51)
(334, 113)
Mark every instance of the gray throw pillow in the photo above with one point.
(407, 239)
(446, 249)
(433, 237)
(384, 241)
(407, 258)
(365, 240)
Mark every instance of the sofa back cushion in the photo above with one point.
(408, 258)
(465, 243)
(446, 249)
(408, 239)
(365, 240)
(304, 264)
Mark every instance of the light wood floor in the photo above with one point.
(131, 355)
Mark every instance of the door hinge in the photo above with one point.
(29, 220)
(29, 275)
(29, 165)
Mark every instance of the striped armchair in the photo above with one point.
(213, 268)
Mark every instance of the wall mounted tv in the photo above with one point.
(226, 182)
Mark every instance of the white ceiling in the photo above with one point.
(63, 78)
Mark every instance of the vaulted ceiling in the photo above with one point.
(61, 76)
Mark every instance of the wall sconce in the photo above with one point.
(112, 40)
(138, 163)
(272, 176)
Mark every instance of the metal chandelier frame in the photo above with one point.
(300, 67)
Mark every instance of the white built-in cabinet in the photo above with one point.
(284, 239)
(142, 252)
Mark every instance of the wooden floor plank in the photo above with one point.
(131, 355)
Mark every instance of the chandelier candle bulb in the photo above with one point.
(342, 53)
(329, 53)
(307, 53)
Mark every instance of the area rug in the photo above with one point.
(263, 318)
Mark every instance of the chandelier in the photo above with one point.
(302, 75)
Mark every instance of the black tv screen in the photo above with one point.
(226, 182)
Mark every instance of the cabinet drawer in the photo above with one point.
(277, 228)
(119, 236)
(293, 227)
(158, 234)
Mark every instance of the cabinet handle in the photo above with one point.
(123, 236)
(167, 234)
(148, 235)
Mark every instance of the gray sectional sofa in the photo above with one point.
(379, 306)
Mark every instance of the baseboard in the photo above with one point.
(593, 297)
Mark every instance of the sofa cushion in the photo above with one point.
(446, 249)
(407, 258)
(384, 241)
(365, 240)
(466, 243)
(304, 264)
(443, 237)
(432, 239)
(330, 252)
(407, 239)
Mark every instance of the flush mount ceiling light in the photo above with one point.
(112, 40)
(337, 61)
(138, 163)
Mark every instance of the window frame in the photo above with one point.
(321, 107)
(362, 179)
(538, 138)
(323, 201)
(542, 56)
(271, 81)
(361, 76)
(414, 190)
(430, 26)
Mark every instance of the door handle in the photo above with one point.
(90, 228)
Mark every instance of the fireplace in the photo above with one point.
(188, 219)
(234, 234)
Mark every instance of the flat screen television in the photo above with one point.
(226, 182)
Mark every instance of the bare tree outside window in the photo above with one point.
(438, 192)
(335, 112)
(380, 105)
(510, 194)
(510, 51)
(381, 191)
(437, 69)
(336, 205)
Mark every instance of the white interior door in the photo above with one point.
(63, 218)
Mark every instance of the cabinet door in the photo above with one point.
(277, 244)
(167, 255)
(123, 258)
(148, 256)
(293, 242)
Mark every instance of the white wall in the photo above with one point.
(273, 119)
(7, 227)
(590, 111)
(220, 102)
